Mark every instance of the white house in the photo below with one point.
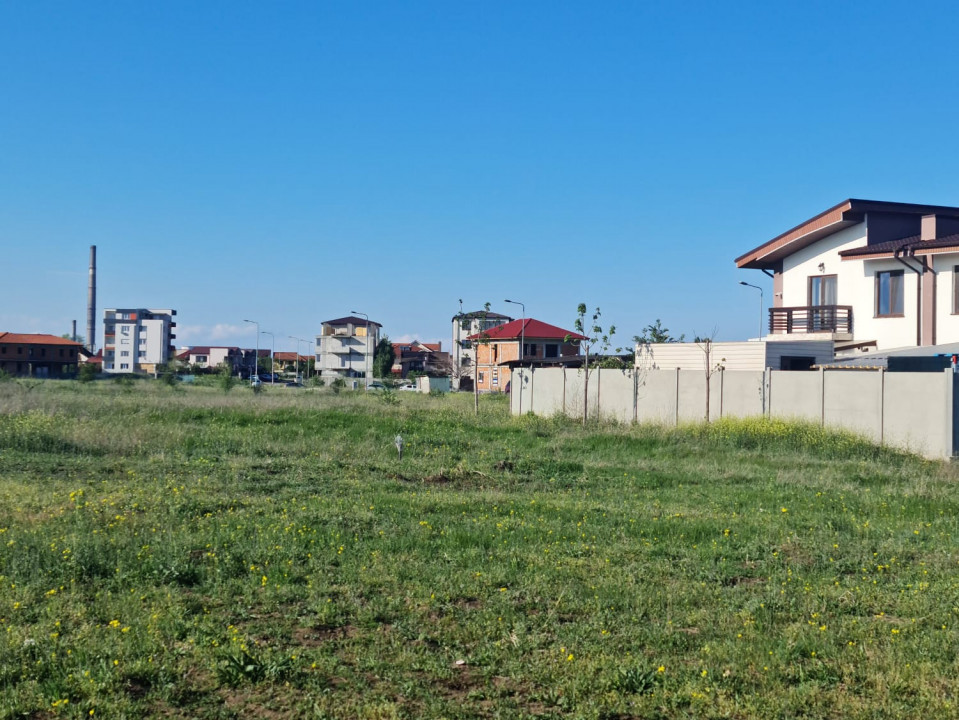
(345, 347)
(801, 354)
(869, 275)
(463, 354)
(136, 340)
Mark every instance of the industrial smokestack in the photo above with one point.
(92, 301)
(73, 335)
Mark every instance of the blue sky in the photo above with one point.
(291, 162)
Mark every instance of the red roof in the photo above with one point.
(36, 339)
(530, 329)
(290, 356)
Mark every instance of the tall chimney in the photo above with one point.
(73, 335)
(92, 301)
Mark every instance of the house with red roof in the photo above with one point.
(38, 355)
(866, 274)
(526, 340)
(416, 356)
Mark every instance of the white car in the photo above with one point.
(255, 381)
(408, 387)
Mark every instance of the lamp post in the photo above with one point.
(367, 318)
(256, 356)
(272, 354)
(522, 351)
(313, 356)
(522, 329)
(741, 282)
(298, 341)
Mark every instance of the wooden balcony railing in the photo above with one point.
(811, 319)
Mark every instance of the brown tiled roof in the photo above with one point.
(910, 245)
(350, 320)
(847, 213)
(36, 339)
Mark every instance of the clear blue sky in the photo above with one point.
(291, 162)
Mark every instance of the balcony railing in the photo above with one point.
(811, 319)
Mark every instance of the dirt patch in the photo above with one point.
(315, 637)
(742, 580)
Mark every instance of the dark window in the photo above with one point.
(43, 352)
(889, 293)
(3, 349)
(796, 362)
(529, 350)
(61, 352)
(552, 351)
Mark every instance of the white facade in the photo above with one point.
(345, 348)
(751, 355)
(136, 340)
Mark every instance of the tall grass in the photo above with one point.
(186, 552)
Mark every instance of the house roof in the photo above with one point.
(845, 214)
(909, 245)
(36, 339)
(350, 320)
(290, 356)
(529, 328)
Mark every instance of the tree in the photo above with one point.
(706, 345)
(656, 333)
(594, 336)
(383, 358)
(80, 339)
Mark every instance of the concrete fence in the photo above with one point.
(913, 411)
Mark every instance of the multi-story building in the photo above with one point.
(137, 340)
(345, 347)
(420, 357)
(526, 340)
(38, 355)
(462, 354)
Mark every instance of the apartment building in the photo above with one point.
(137, 340)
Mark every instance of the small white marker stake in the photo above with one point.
(399, 446)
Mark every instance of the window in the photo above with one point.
(124, 353)
(551, 350)
(529, 350)
(889, 293)
(822, 290)
(481, 376)
(495, 378)
(124, 366)
(143, 354)
(61, 352)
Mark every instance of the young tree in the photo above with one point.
(595, 337)
(710, 366)
(466, 323)
(656, 333)
(383, 358)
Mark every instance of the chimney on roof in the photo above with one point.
(934, 227)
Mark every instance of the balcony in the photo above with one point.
(830, 319)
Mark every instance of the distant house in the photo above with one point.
(499, 346)
(137, 340)
(868, 275)
(462, 356)
(345, 347)
(38, 355)
(420, 357)
(290, 361)
(210, 356)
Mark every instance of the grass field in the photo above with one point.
(187, 553)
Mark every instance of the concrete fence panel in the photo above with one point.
(796, 395)
(656, 396)
(742, 393)
(917, 414)
(692, 395)
(853, 401)
(548, 391)
(616, 394)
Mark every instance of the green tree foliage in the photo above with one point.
(656, 333)
(86, 373)
(383, 358)
(225, 378)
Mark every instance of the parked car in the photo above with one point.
(407, 387)
(255, 381)
(376, 385)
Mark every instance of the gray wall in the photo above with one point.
(913, 411)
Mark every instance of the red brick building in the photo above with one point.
(498, 346)
(38, 355)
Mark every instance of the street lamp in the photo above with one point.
(272, 353)
(313, 356)
(256, 356)
(522, 328)
(298, 341)
(367, 318)
(741, 282)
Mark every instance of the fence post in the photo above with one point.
(882, 405)
(722, 390)
(532, 389)
(635, 395)
(822, 397)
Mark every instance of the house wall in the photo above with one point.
(947, 323)
(913, 411)
(333, 356)
(749, 355)
(38, 359)
(798, 267)
(887, 332)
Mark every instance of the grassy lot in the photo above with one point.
(192, 553)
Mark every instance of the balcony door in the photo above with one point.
(822, 303)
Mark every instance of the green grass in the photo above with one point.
(185, 552)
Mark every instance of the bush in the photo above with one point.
(337, 385)
(86, 373)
